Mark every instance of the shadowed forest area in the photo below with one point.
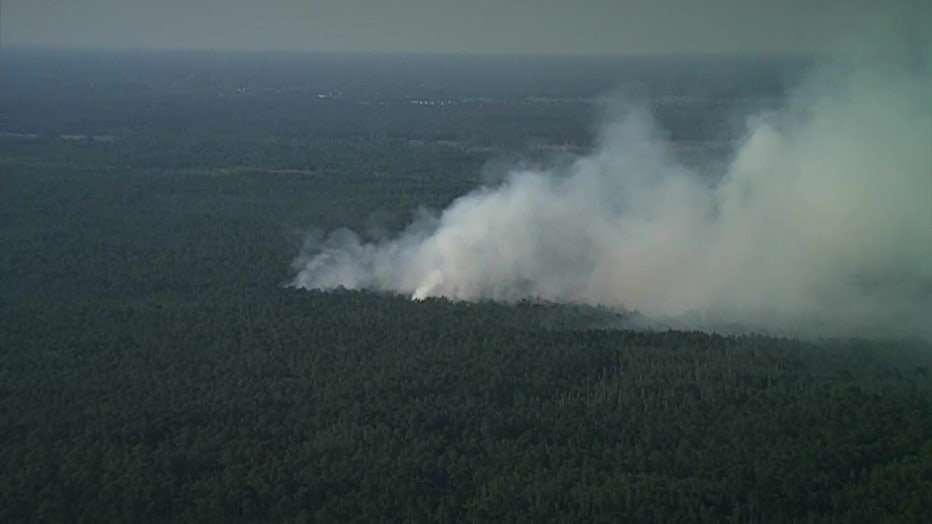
(154, 365)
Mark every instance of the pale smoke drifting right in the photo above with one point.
(822, 222)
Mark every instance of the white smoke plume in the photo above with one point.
(821, 222)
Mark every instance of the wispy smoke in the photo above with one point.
(821, 222)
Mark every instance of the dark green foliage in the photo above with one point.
(352, 406)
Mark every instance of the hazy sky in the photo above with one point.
(470, 26)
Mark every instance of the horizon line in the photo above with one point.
(355, 52)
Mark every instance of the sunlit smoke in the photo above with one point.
(821, 222)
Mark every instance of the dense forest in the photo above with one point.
(154, 365)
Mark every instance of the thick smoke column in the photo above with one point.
(822, 222)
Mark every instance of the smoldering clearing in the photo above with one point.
(821, 222)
